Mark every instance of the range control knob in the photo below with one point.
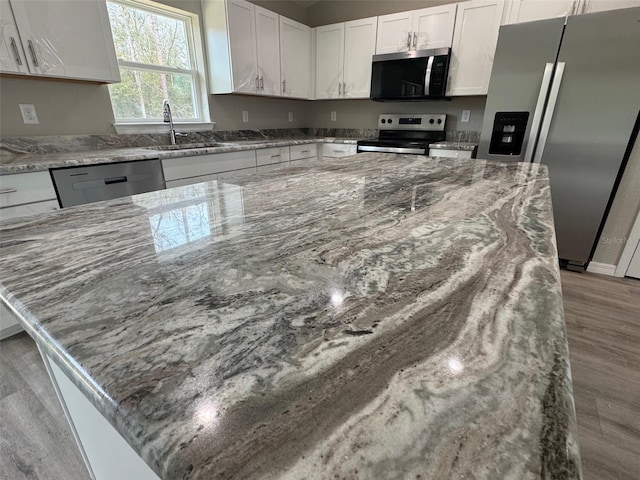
(431, 121)
(439, 121)
(389, 120)
(383, 121)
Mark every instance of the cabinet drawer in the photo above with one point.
(303, 151)
(268, 156)
(185, 167)
(22, 188)
(338, 149)
(443, 152)
(28, 209)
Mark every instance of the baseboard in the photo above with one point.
(602, 268)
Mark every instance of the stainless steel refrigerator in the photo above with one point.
(566, 93)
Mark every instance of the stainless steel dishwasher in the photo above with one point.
(94, 183)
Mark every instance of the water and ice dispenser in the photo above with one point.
(508, 133)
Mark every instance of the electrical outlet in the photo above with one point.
(291, 116)
(29, 114)
(465, 116)
(245, 116)
(334, 116)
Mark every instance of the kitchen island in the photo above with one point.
(375, 316)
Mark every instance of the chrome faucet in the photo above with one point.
(168, 118)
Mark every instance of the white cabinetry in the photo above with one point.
(343, 59)
(295, 58)
(474, 45)
(202, 168)
(592, 6)
(532, 10)
(268, 49)
(64, 38)
(272, 158)
(334, 150)
(12, 57)
(302, 153)
(416, 30)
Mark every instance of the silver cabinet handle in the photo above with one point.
(344, 88)
(276, 156)
(415, 40)
(409, 40)
(548, 115)
(306, 151)
(257, 82)
(261, 82)
(7, 190)
(537, 114)
(33, 53)
(15, 51)
(339, 89)
(284, 86)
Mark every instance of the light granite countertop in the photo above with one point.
(356, 318)
(35, 162)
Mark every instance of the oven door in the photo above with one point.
(390, 147)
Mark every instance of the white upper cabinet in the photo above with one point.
(416, 30)
(343, 58)
(433, 27)
(531, 10)
(394, 33)
(62, 39)
(295, 58)
(268, 49)
(12, 57)
(329, 60)
(242, 44)
(592, 6)
(474, 45)
(359, 48)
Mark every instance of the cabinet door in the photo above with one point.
(295, 58)
(67, 38)
(592, 6)
(394, 33)
(474, 44)
(329, 60)
(359, 47)
(531, 10)
(12, 57)
(268, 48)
(242, 43)
(433, 27)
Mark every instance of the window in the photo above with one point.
(158, 60)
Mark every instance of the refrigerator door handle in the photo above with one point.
(537, 114)
(548, 116)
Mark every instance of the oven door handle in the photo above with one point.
(409, 150)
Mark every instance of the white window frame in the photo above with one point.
(198, 71)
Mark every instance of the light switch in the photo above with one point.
(334, 116)
(465, 116)
(291, 116)
(245, 116)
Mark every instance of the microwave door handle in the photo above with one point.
(427, 76)
(548, 115)
(537, 114)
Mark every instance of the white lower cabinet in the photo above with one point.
(270, 156)
(443, 152)
(303, 152)
(334, 150)
(205, 165)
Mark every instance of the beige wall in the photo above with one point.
(364, 113)
(624, 211)
(264, 112)
(326, 12)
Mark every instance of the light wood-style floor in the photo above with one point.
(603, 325)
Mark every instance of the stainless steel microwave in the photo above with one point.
(417, 75)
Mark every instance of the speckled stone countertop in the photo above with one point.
(468, 146)
(35, 162)
(357, 318)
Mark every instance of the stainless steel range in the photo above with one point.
(406, 133)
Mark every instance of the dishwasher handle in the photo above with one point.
(112, 180)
